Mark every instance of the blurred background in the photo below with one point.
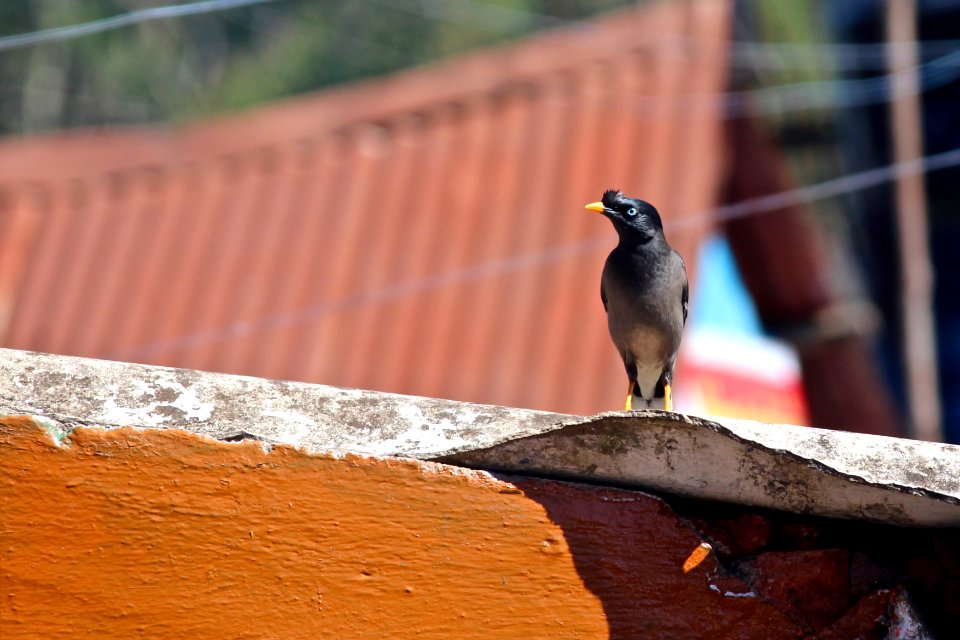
(389, 195)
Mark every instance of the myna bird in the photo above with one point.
(644, 291)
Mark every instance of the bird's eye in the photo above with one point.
(632, 211)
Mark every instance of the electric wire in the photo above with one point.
(768, 204)
(56, 34)
(845, 93)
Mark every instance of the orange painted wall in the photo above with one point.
(168, 535)
(163, 534)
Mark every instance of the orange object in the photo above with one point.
(164, 534)
(697, 557)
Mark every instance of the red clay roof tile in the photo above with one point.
(421, 233)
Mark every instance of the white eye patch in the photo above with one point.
(631, 212)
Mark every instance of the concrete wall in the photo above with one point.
(159, 530)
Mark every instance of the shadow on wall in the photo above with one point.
(629, 549)
(784, 575)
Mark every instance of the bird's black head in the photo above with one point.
(633, 219)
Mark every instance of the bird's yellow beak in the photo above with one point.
(596, 207)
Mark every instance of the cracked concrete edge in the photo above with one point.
(785, 467)
(86, 392)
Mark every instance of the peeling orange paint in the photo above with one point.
(697, 557)
(136, 533)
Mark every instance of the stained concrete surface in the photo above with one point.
(790, 468)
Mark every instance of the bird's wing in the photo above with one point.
(684, 297)
(685, 302)
(603, 297)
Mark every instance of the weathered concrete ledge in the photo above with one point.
(797, 469)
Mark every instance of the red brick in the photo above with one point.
(866, 620)
(739, 536)
(811, 586)
(629, 548)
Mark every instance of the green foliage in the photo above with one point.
(179, 68)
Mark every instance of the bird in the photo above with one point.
(645, 293)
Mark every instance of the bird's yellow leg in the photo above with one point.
(667, 397)
(628, 405)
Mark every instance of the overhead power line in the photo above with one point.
(550, 255)
(800, 96)
(847, 56)
(116, 22)
(830, 188)
(941, 64)
(835, 56)
(777, 99)
(855, 93)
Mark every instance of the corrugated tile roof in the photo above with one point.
(421, 233)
